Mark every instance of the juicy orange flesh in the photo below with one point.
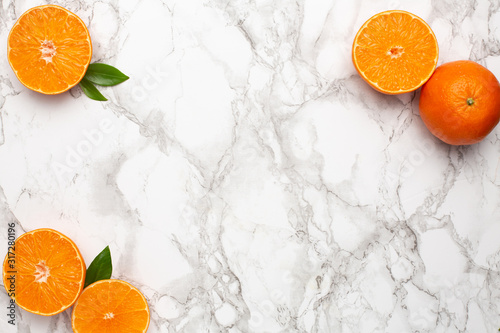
(111, 306)
(50, 272)
(49, 49)
(396, 52)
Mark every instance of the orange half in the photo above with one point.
(49, 49)
(395, 52)
(110, 306)
(44, 272)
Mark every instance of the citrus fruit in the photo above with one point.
(395, 52)
(460, 104)
(44, 273)
(110, 306)
(49, 49)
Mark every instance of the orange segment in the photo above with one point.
(110, 306)
(49, 49)
(47, 270)
(395, 52)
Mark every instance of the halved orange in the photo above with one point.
(110, 306)
(49, 49)
(44, 272)
(395, 52)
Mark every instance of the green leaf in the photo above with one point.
(100, 268)
(104, 75)
(91, 91)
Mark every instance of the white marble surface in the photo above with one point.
(247, 180)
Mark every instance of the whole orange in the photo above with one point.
(460, 103)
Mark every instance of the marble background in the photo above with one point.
(247, 180)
